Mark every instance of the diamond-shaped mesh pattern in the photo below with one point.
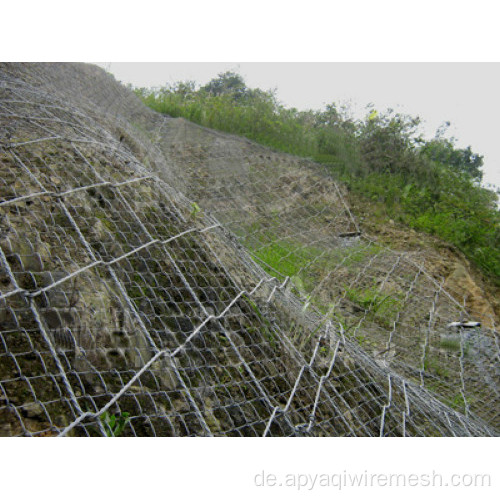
(205, 285)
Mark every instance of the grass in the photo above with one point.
(433, 366)
(454, 345)
(290, 258)
(307, 266)
(381, 306)
(287, 258)
(457, 403)
(450, 344)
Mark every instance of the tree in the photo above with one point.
(387, 142)
(227, 83)
(463, 161)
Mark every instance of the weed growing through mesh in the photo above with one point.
(113, 424)
(195, 210)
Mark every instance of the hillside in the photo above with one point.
(207, 285)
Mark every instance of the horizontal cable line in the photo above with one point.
(105, 263)
(56, 194)
(34, 141)
(13, 145)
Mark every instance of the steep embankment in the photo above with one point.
(207, 285)
(463, 279)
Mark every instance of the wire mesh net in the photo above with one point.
(168, 280)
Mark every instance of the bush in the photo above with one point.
(430, 185)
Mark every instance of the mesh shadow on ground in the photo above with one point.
(206, 285)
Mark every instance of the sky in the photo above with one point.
(465, 94)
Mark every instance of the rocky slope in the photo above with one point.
(206, 285)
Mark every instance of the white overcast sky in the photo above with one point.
(466, 94)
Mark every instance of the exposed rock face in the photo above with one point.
(461, 283)
(146, 265)
(442, 260)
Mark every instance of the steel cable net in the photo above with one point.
(187, 282)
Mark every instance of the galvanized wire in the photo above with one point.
(193, 283)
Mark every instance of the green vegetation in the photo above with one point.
(429, 185)
(457, 402)
(195, 210)
(286, 257)
(456, 345)
(383, 307)
(114, 425)
(267, 327)
(436, 367)
(450, 344)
